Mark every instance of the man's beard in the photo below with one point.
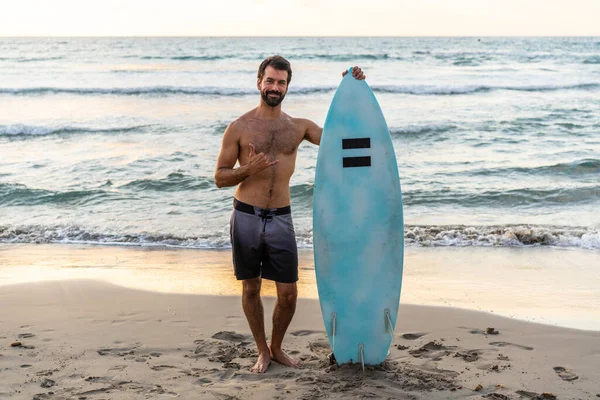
(272, 101)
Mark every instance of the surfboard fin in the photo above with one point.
(361, 355)
(333, 330)
(389, 328)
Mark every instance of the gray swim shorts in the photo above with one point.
(263, 241)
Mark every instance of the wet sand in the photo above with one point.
(546, 285)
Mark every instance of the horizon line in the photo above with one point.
(289, 36)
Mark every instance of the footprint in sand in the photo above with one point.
(434, 350)
(25, 335)
(565, 374)
(477, 331)
(536, 396)
(506, 344)
(46, 372)
(413, 336)
(227, 374)
(250, 376)
(496, 396)
(304, 332)
(221, 351)
(320, 347)
(470, 355)
(161, 367)
(121, 352)
(229, 336)
(95, 379)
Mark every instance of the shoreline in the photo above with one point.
(536, 284)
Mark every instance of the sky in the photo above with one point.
(300, 18)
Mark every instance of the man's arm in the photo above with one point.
(225, 174)
(313, 132)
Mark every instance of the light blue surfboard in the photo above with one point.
(358, 227)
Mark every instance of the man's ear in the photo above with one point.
(258, 84)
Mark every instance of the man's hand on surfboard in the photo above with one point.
(357, 73)
(258, 162)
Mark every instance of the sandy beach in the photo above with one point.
(64, 337)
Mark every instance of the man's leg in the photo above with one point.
(253, 308)
(287, 293)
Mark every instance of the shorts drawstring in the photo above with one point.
(266, 215)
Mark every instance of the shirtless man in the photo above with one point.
(265, 142)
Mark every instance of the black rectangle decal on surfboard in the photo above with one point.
(362, 143)
(350, 162)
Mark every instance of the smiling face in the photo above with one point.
(273, 86)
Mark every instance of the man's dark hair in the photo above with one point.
(278, 63)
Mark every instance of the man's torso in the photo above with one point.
(278, 140)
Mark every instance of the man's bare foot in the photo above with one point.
(264, 360)
(281, 357)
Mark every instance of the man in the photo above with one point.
(265, 142)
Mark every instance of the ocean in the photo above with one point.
(114, 140)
